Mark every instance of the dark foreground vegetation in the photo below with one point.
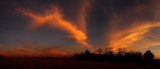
(86, 60)
(121, 56)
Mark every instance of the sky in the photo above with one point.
(64, 27)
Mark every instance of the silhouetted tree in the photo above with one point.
(109, 55)
(133, 56)
(121, 51)
(87, 52)
(99, 51)
(148, 56)
(108, 51)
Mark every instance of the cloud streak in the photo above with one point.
(54, 18)
(85, 7)
(22, 51)
(131, 27)
(125, 38)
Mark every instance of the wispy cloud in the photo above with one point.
(54, 18)
(84, 8)
(130, 27)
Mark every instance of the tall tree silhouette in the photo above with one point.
(148, 56)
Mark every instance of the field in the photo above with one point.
(39, 63)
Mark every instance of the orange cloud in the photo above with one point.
(54, 18)
(125, 38)
(130, 31)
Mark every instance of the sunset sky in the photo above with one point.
(64, 27)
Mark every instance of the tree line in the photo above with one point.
(121, 56)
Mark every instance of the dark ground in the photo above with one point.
(57, 63)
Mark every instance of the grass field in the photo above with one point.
(39, 63)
